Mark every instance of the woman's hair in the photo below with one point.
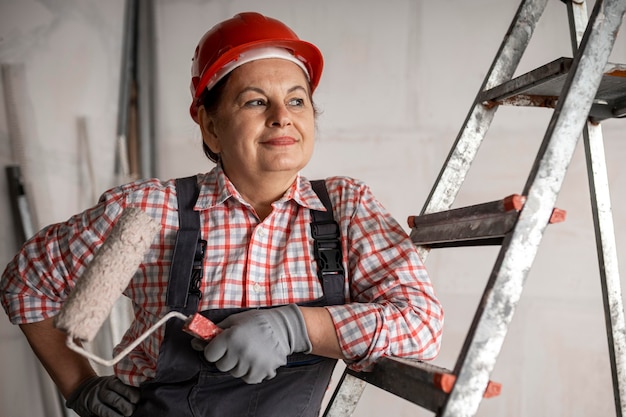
(210, 100)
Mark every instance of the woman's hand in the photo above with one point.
(255, 343)
(105, 396)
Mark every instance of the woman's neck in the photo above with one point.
(261, 192)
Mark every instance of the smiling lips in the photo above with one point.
(280, 141)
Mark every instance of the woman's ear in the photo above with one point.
(207, 127)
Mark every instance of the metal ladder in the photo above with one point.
(583, 91)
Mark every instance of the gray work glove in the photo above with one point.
(104, 396)
(255, 343)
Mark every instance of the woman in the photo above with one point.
(291, 297)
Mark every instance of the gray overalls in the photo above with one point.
(186, 385)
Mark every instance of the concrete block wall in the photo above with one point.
(400, 76)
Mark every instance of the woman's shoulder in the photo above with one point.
(139, 189)
(346, 193)
(348, 190)
(342, 184)
(151, 194)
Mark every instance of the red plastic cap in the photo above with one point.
(201, 327)
(246, 31)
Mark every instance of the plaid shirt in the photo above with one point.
(390, 309)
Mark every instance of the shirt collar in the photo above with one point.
(216, 188)
(304, 195)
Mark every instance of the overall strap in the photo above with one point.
(183, 288)
(327, 252)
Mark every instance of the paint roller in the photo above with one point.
(104, 280)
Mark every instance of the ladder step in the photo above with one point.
(480, 224)
(541, 87)
(421, 383)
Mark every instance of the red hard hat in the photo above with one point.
(225, 42)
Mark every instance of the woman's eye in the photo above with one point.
(255, 103)
(296, 102)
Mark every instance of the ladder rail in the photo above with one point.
(479, 118)
(604, 231)
(520, 245)
(607, 259)
(504, 288)
(580, 86)
(345, 397)
(457, 164)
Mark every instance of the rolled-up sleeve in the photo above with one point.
(42, 274)
(393, 309)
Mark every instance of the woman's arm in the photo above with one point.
(393, 309)
(322, 333)
(66, 367)
(85, 392)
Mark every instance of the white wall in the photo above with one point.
(399, 79)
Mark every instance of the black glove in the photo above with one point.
(257, 342)
(104, 396)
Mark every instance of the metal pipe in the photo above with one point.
(146, 64)
(126, 76)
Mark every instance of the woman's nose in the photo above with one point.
(279, 116)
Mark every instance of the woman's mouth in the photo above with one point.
(280, 141)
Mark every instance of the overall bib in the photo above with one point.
(186, 385)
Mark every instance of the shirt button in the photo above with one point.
(256, 287)
(261, 233)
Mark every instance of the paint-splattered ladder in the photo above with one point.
(583, 91)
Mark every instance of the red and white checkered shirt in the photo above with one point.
(390, 309)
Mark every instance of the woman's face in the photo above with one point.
(265, 121)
